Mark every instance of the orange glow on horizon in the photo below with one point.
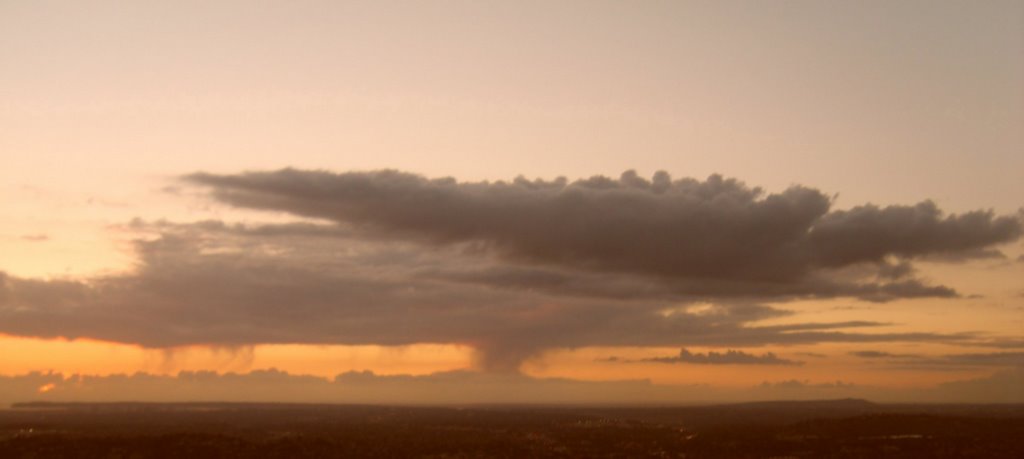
(96, 357)
(100, 358)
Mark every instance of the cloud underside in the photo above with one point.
(509, 268)
(717, 231)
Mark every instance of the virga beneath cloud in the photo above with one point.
(510, 268)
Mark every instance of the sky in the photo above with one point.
(570, 201)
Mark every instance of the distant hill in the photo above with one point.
(823, 428)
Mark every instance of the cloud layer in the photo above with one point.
(716, 236)
(729, 357)
(947, 362)
(510, 268)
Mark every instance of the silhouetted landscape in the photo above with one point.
(837, 428)
(511, 229)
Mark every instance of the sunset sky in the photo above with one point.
(527, 201)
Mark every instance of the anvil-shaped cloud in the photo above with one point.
(511, 268)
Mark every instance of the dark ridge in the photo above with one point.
(824, 428)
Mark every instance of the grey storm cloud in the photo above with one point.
(509, 268)
(729, 357)
(712, 237)
(233, 285)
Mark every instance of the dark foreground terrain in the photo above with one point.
(842, 428)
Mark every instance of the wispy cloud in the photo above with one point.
(881, 354)
(729, 357)
(945, 362)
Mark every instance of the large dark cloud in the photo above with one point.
(218, 284)
(716, 230)
(511, 269)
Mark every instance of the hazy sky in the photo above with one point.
(840, 198)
